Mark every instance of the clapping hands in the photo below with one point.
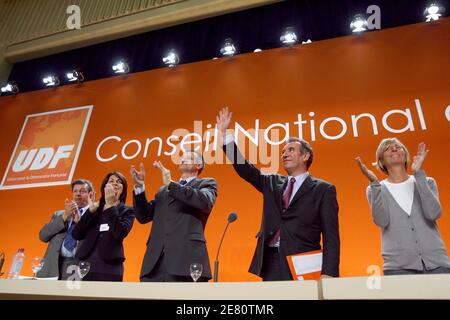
(166, 176)
(419, 158)
(366, 172)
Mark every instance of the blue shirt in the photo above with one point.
(64, 252)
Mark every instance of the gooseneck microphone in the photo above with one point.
(231, 218)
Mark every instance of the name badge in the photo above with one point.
(104, 227)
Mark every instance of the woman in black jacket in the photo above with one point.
(103, 228)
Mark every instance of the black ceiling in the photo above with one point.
(254, 28)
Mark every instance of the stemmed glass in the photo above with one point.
(196, 270)
(83, 268)
(36, 265)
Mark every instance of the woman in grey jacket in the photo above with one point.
(406, 209)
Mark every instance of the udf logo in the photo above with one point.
(47, 149)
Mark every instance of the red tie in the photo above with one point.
(288, 193)
(285, 204)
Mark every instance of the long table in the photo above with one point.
(384, 287)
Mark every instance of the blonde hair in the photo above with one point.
(382, 147)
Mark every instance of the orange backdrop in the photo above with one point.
(375, 73)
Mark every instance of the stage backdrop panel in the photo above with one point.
(343, 95)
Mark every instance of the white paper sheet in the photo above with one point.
(307, 263)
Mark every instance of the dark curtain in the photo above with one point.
(260, 27)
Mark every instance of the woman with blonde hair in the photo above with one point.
(406, 208)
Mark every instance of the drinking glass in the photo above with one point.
(83, 268)
(196, 270)
(36, 265)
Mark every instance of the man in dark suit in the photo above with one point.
(297, 210)
(179, 213)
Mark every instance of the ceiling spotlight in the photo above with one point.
(75, 76)
(433, 12)
(359, 24)
(121, 67)
(289, 37)
(10, 88)
(307, 41)
(257, 50)
(171, 59)
(228, 48)
(51, 81)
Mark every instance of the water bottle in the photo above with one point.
(16, 264)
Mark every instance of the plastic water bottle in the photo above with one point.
(16, 264)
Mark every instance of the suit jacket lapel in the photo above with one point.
(307, 185)
(280, 187)
(191, 183)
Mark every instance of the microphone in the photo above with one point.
(231, 218)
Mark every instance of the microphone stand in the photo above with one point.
(216, 263)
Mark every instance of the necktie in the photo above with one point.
(288, 193)
(69, 242)
(183, 182)
(274, 240)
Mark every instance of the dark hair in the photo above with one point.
(304, 147)
(123, 196)
(82, 181)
